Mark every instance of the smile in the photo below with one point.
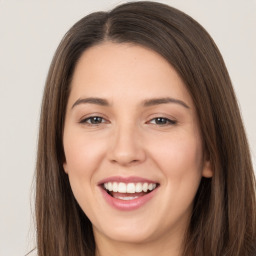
(123, 194)
(130, 187)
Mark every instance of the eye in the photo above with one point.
(162, 121)
(93, 120)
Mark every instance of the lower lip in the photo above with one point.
(127, 205)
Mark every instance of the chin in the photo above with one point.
(128, 236)
(129, 232)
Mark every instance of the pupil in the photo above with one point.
(96, 120)
(161, 120)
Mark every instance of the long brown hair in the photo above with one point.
(223, 220)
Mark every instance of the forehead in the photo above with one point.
(122, 70)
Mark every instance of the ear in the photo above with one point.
(207, 171)
(65, 167)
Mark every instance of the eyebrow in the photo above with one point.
(158, 101)
(146, 103)
(91, 100)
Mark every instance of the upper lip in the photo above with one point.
(131, 179)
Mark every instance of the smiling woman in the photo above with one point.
(142, 150)
(136, 152)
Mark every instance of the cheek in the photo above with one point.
(82, 154)
(180, 160)
(181, 164)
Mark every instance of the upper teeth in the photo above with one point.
(129, 187)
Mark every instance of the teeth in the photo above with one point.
(109, 186)
(138, 187)
(130, 188)
(126, 198)
(115, 187)
(145, 187)
(122, 187)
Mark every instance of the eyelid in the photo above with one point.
(87, 117)
(171, 120)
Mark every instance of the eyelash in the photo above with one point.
(89, 120)
(100, 120)
(166, 121)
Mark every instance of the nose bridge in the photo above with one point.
(126, 145)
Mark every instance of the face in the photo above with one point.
(132, 143)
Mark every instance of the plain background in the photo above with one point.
(29, 34)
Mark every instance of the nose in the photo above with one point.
(126, 147)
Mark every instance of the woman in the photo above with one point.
(142, 150)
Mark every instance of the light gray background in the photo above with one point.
(29, 34)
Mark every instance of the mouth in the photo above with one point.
(127, 194)
(128, 191)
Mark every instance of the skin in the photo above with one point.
(128, 141)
